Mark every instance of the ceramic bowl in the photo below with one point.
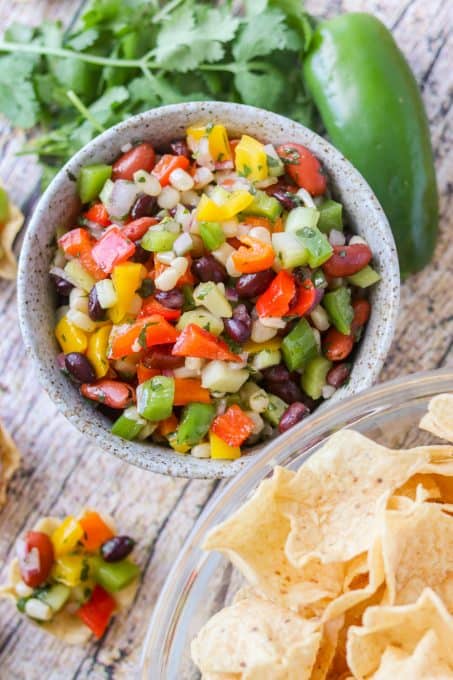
(60, 205)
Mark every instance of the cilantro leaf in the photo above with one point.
(266, 33)
(17, 96)
(262, 90)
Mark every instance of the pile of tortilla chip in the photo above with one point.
(9, 461)
(349, 564)
(8, 232)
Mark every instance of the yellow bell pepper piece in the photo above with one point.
(70, 338)
(219, 145)
(220, 449)
(255, 347)
(97, 350)
(234, 203)
(173, 441)
(71, 569)
(251, 159)
(126, 280)
(66, 536)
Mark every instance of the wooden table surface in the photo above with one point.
(61, 472)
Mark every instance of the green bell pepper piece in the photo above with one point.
(319, 279)
(275, 409)
(155, 398)
(365, 277)
(55, 596)
(301, 217)
(114, 576)
(264, 206)
(314, 376)
(4, 206)
(330, 216)
(338, 306)
(158, 241)
(212, 234)
(360, 80)
(91, 180)
(317, 245)
(195, 423)
(299, 346)
(129, 424)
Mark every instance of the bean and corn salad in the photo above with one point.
(77, 568)
(210, 293)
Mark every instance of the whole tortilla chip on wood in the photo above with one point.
(8, 232)
(9, 461)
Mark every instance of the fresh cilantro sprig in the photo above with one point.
(127, 56)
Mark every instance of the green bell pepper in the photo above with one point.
(195, 423)
(317, 245)
(338, 306)
(299, 346)
(129, 424)
(91, 180)
(365, 277)
(155, 398)
(373, 113)
(114, 576)
(264, 206)
(158, 241)
(212, 234)
(314, 376)
(275, 409)
(330, 216)
(55, 596)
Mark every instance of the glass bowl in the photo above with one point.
(202, 583)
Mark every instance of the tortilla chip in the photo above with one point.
(327, 649)
(439, 419)
(258, 639)
(401, 626)
(420, 488)
(334, 499)
(254, 539)
(64, 625)
(417, 545)
(9, 461)
(8, 232)
(427, 662)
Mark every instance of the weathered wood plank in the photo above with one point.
(62, 472)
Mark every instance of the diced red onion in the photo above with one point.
(232, 294)
(224, 165)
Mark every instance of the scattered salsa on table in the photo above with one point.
(209, 293)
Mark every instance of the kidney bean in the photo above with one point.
(293, 415)
(277, 373)
(288, 391)
(347, 260)
(173, 299)
(207, 268)
(117, 548)
(338, 375)
(112, 393)
(252, 285)
(95, 311)
(362, 310)
(180, 148)
(136, 229)
(163, 359)
(79, 367)
(62, 286)
(285, 198)
(141, 157)
(337, 346)
(35, 556)
(144, 206)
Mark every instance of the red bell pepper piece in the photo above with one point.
(306, 296)
(141, 157)
(253, 256)
(144, 373)
(132, 338)
(303, 168)
(163, 168)
(138, 228)
(196, 342)
(234, 426)
(76, 242)
(112, 249)
(98, 213)
(276, 299)
(152, 306)
(112, 393)
(96, 531)
(97, 612)
(188, 390)
(88, 263)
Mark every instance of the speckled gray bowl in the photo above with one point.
(60, 205)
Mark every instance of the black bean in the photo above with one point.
(141, 255)
(232, 294)
(287, 199)
(288, 391)
(180, 148)
(174, 299)
(338, 375)
(207, 268)
(79, 367)
(293, 415)
(251, 285)
(62, 286)
(236, 330)
(95, 311)
(277, 373)
(144, 206)
(117, 548)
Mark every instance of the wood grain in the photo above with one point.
(61, 472)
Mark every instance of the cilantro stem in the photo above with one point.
(6, 46)
(166, 9)
(82, 109)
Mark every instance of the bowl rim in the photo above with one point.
(370, 402)
(149, 456)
